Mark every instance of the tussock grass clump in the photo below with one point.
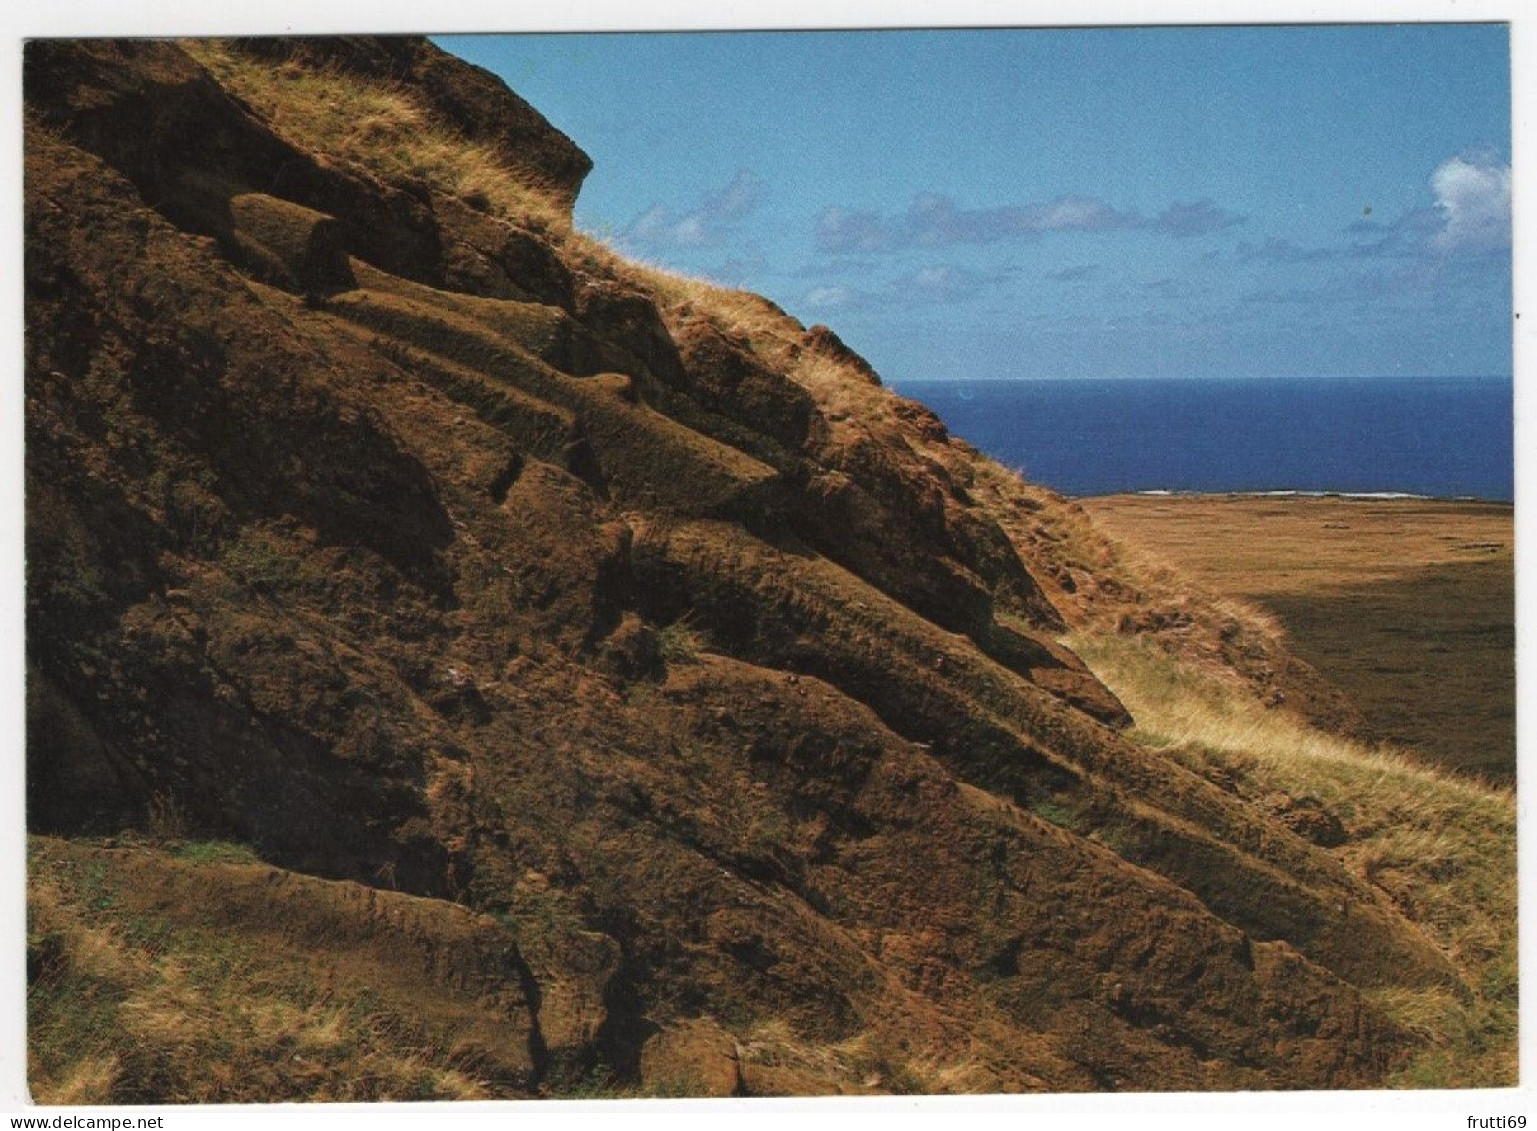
(1442, 847)
(868, 1061)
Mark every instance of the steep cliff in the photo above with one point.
(604, 667)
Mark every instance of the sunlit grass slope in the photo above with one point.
(1442, 847)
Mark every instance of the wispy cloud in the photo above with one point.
(1427, 279)
(1197, 218)
(851, 231)
(1406, 237)
(706, 225)
(1274, 250)
(933, 220)
(743, 266)
(946, 284)
(838, 267)
(837, 298)
(1372, 289)
(1470, 218)
(935, 285)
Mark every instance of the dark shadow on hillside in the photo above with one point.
(1429, 657)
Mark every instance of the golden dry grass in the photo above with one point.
(1406, 605)
(868, 1061)
(377, 126)
(123, 1008)
(384, 129)
(1442, 847)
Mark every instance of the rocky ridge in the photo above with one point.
(632, 667)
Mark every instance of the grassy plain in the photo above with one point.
(1407, 605)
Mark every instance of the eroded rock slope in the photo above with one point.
(686, 717)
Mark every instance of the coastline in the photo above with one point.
(1441, 438)
(1295, 493)
(1289, 493)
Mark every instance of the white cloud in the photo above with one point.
(1473, 198)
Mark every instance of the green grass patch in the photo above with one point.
(680, 642)
(1058, 814)
(214, 852)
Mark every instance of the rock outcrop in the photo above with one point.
(421, 548)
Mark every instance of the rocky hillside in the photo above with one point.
(601, 670)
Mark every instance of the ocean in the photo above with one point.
(1439, 437)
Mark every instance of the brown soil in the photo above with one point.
(1407, 605)
(653, 691)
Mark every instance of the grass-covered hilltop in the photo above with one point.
(465, 663)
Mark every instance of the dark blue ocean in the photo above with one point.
(1443, 437)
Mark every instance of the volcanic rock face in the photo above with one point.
(395, 539)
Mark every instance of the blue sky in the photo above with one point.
(1175, 202)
